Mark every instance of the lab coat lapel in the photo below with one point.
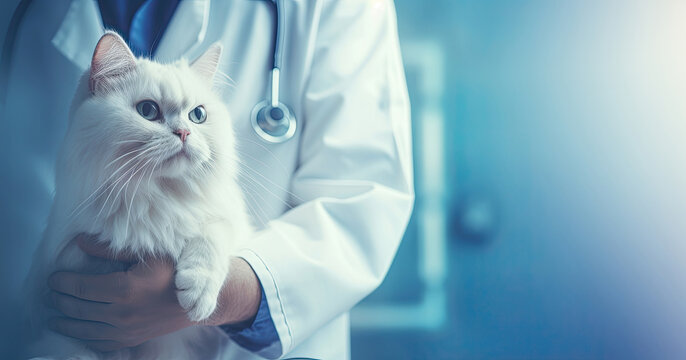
(79, 32)
(82, 27)
(185, 32)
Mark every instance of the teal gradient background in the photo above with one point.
(567, 118)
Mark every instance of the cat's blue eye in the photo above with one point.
(148, 109)
(198, 115)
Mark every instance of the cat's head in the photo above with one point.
(151, 119)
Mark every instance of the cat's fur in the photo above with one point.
(125, 179)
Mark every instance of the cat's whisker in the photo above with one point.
(128, 142)
(256, 215)
(247, 166)
(104, 183)
(266, 150)
(124, 185)
(227, 83)
(265, 190)
(259, 161)
(124, 155)
(133, 197)
(83, 205)
(112, 187)
(227, 78)
(144, 149)
(255, 195)
(153, 170)
(275, 185)
(256, 191)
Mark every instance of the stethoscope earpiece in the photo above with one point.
(274, 124)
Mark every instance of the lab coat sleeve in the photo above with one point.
(353, 185)
(260, 335)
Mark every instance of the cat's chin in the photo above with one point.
(179, 165)
(180, 157)
(176, 165)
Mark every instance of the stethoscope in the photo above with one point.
(272, 120)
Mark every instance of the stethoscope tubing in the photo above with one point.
(270, 129)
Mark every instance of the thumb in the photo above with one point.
(90, 245)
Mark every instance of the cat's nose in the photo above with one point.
(183, 134)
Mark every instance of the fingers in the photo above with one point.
(79, 329)
(80, 309)
(107, 288)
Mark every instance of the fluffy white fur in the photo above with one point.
(126, 179)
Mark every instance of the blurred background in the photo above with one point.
(549, 155)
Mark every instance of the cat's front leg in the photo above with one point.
(200, 274)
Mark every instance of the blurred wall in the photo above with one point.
(567, 120)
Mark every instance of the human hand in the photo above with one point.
(119, 309)
(127, 308)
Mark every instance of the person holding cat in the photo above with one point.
(184, 224)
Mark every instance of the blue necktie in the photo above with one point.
(140, 22)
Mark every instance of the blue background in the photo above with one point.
(564, 134)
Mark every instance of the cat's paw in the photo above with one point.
(197, 292)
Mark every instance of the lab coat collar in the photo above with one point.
(82, 27)
(79, 32)
(186, 31)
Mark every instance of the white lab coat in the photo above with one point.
(347, 173)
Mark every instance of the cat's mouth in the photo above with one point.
(179, 155)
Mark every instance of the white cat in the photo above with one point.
(148, 164)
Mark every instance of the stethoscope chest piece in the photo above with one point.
(274, 124)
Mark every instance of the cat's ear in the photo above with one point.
(112, 58)
(206, 65)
